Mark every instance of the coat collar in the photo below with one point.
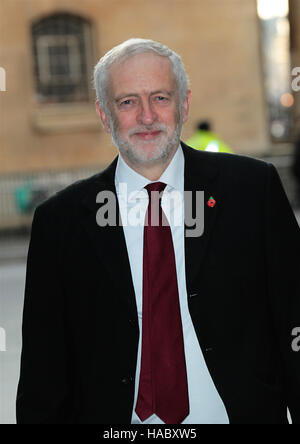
(109, 242)
(201, 169)
(202, 173)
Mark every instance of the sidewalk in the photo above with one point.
(13, 249)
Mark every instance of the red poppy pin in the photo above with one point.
(211, 202)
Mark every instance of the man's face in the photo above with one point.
(146, 120)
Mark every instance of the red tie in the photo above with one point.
(163, 388)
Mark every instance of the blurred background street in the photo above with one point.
(12, 278)
(243, 61)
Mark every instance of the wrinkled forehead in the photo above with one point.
(140, 53)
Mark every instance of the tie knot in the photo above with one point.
(155, 186)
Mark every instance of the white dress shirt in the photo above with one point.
(206, 406)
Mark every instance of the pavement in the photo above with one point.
(12, 282)
(13, 254)
(13, 249)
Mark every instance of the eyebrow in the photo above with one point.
(159, 91)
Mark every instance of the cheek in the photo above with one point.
(171, 118)
(125, 121)
(164, 115)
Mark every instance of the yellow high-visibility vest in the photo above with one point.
(208, 141)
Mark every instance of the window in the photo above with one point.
(62, 58)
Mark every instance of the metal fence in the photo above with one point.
(21, 193)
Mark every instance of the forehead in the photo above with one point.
(140, 73)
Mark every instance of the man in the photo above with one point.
(207, 140)
(154, 322)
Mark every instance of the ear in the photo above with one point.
(103, 117)
(186, 106)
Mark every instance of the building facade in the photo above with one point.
(44, 129)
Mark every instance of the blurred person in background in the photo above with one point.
(158, 323)
(206, 140)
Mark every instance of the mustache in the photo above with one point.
(148, 128)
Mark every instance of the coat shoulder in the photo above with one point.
(241, 164)
(233, 167)
(243, 172)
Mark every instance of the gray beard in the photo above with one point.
(162, 156)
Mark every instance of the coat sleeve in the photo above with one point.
(43, 390)
(283, 258)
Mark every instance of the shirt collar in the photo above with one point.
(173, 176)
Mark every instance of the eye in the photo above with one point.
(126, 102)
(163, 100)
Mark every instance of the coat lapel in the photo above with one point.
(201, 174)
(109, 241)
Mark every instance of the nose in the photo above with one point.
(147, 115)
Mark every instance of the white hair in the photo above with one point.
(126, 50)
